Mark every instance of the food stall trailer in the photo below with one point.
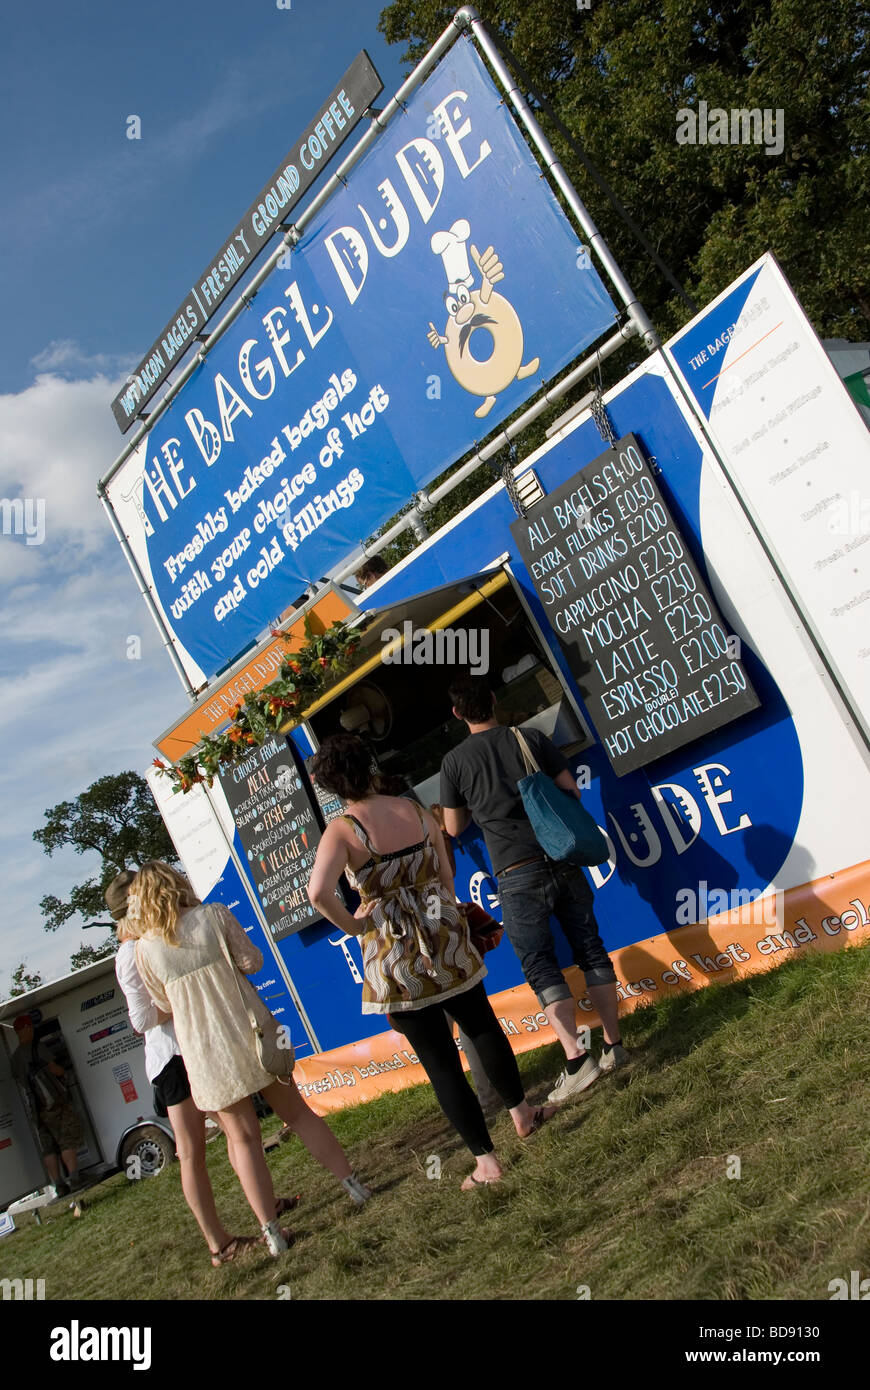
(674, 585)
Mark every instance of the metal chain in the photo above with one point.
(598, 411)
(506, 473)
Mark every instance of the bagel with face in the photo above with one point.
(483, 336)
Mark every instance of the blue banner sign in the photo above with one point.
(433, 295)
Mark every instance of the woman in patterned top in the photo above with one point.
(417, 953)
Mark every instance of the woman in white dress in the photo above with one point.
(165, 1069)
(183, 962)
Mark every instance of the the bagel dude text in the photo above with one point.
(291, 330)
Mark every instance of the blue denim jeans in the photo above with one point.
(530, 896)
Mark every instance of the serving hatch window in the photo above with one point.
(401, 708)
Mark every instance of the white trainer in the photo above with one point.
(274, 1237)
(568, 1086)
(613, 1057)
(356, 1190)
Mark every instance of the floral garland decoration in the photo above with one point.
(303, 678)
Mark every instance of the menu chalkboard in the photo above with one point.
(279, 829)
(647, 647)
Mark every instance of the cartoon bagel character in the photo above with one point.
(471, 310)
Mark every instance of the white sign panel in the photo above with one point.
(797, 450)
(194, 830)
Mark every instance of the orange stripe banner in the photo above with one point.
(214, 711)
(823, 915)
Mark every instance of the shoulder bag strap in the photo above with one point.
(222, 942)
(530, 764)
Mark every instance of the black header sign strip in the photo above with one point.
(647, 647)
(279, 829)
(338, 116)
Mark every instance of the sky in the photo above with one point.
(101, 237)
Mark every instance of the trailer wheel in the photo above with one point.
(153, 1148)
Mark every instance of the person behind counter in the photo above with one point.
(417, 954)
(479, 781)
(181, 958)
(373, 568)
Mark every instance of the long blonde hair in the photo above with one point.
(158, 895)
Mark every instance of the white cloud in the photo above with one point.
(66, 355)
(73, 708)
(58, 437)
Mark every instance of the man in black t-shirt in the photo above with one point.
(479, 781)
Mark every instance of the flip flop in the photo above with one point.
(539, 1118)
(231, 1251)
(479, 1182)
(285, 1204)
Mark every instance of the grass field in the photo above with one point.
(625, 1191)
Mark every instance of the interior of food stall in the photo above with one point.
(397, 698)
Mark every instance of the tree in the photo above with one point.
(23, 981)
(89, 955)
(115, 818)
(617, 74)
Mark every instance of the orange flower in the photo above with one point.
(250, 738)
(235, 735)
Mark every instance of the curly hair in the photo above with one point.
(158, 896)
(343, 765)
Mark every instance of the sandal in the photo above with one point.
(478, 1182)
(539, 1118)
(285, 1204)
(234, 1247)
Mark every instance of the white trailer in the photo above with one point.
(81, 1021)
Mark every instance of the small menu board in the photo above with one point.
(651, 655)
(279, 829)
(330, 805)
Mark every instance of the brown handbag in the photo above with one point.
(484, 930)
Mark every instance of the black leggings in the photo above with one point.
(431, 1036)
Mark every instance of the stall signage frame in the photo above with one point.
(337, 346)
(338, 116)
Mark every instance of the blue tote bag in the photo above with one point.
(563, 827)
